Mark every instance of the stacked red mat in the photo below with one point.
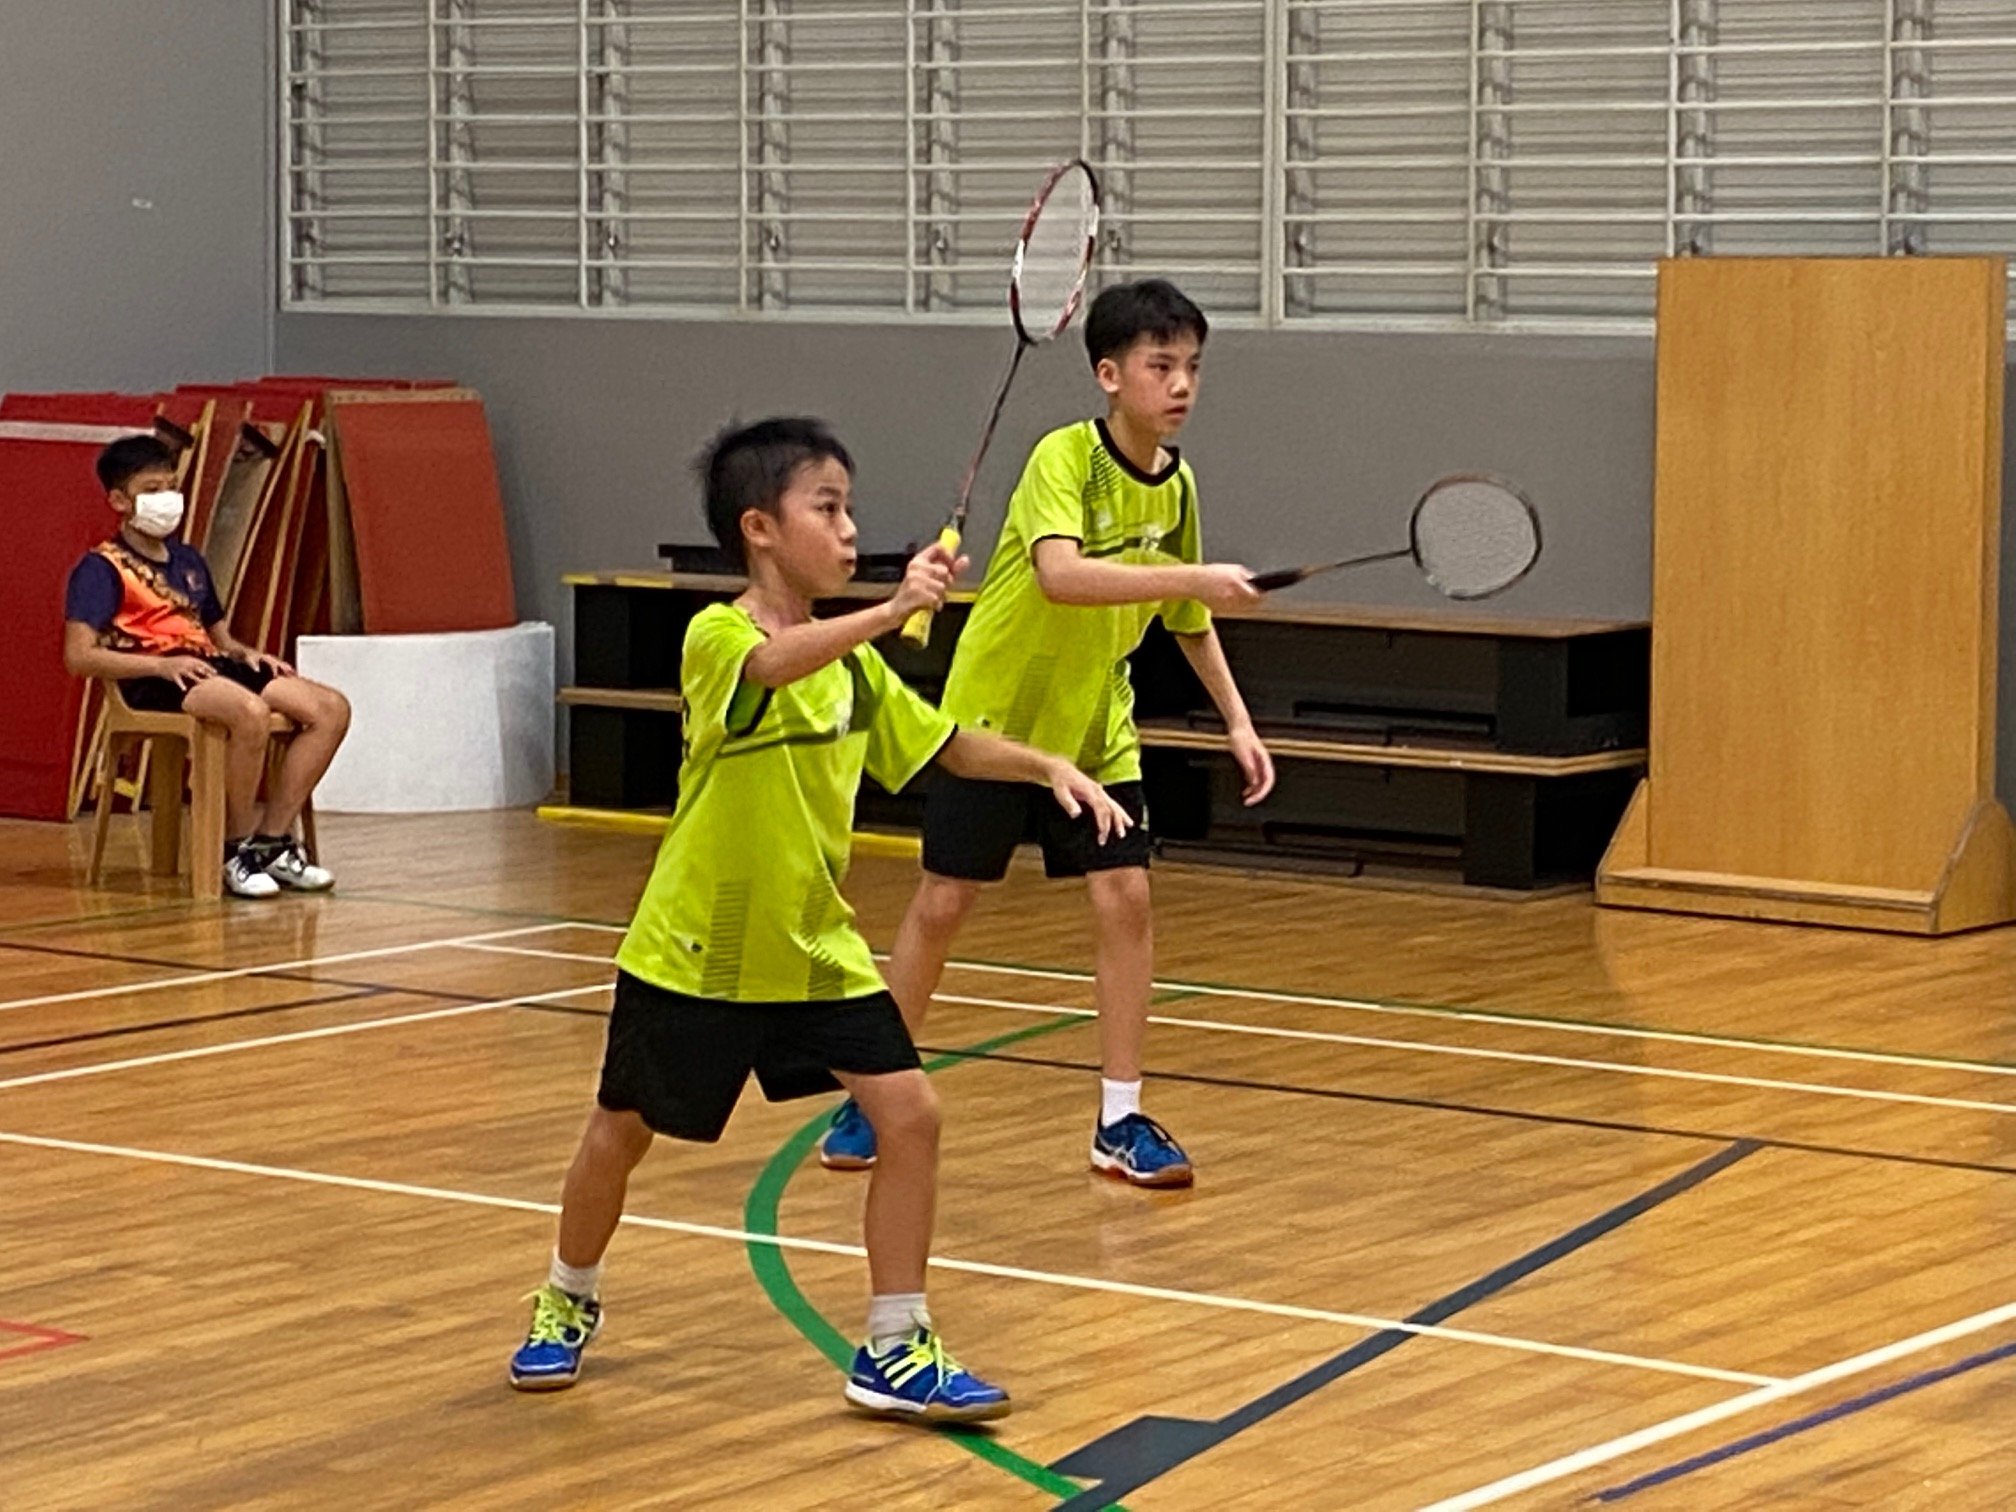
(324, 505)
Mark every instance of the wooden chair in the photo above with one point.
(179, 748)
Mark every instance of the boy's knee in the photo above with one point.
(614, 1135)
(945, 901)
(245, 719)
(334, 712)
(908, 1114)
(1122, 896)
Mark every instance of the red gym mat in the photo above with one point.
(52, 511)
(426, 511)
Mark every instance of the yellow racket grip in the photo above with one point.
(917, 628)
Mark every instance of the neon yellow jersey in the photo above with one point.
(744, 902)
(1051, 675)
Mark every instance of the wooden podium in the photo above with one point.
(1825, 586)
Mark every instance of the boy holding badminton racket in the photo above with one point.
(1101, 538)
(743, 955)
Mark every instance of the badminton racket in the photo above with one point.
(1046, 284)
(1471, 535)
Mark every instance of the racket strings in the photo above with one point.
(1474, 537)
(1052, 261)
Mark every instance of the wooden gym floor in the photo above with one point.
(1500, 1203)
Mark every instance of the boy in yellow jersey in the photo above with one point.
(743, 955)
(1101, 538)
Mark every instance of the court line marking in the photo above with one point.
(1525, 1021)
(1423, 1047)
(349, 994)
(1483, 1110)
(479, 947)
(198, 977)
(771, 1267)
(1407, 1010)
(1749, 1401)
(36, 1346)
(1812, 1420)
(1217, 1026)
(970, 1267)
(1120, 1468)
(231, 1047)
(1521, 1057)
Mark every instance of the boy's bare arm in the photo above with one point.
(989, 758)
(1067, 576)
(799, 650)
(83, 656)
(1206, 655)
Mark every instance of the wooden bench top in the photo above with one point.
(1277, 611)
(666, 700)
(1437, 758)
(1289, 747)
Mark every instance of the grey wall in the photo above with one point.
(135, 176)
(1305, 443)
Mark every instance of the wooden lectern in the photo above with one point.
(1825, 581)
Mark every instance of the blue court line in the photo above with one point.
(1812, 1420)
(1136, 1453)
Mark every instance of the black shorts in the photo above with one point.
(971, 830)
(680, 1062)
(163, 695)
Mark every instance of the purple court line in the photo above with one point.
(1812, 1420)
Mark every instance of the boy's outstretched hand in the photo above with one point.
(1078, 794)
(1223, 587)
(926, 581)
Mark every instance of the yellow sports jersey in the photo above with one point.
(744, 902)
(1054, 676)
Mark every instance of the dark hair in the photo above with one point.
(1153, 308)
(748, 467)
(129, 456)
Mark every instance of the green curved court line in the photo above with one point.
(773, 1272)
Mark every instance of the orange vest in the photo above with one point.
(155, 617)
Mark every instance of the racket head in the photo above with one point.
(1053, 253)
(1474, 535)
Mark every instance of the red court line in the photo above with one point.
(39, 1338)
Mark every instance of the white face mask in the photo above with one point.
(157, 514)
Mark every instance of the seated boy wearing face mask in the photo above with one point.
(141, 611)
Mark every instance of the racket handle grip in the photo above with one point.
(1268, 582)
(917, 628)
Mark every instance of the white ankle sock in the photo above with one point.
(575, 1280)
(893, 1316)
(1116, 1100)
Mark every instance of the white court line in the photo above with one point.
(1401, 1010)
(1473, 1052)
(1617, 1448)
(197, 978)
(232, 1047)
(970, 1267)
(520, 950)
(1514, 1021)
(1421, 1047)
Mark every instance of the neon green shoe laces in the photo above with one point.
(558, 1318)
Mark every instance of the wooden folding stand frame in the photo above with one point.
(1826, 576)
